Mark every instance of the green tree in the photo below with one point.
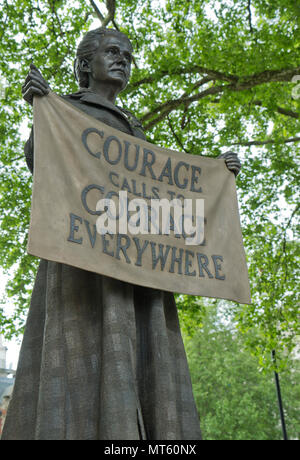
(209, 75)
(236, 401)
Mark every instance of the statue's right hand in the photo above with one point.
(34, 85)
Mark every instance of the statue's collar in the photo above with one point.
(86, 95)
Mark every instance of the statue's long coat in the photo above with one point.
(100, 358)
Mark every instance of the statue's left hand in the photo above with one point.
(232, 162)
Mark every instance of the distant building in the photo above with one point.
(6, 384)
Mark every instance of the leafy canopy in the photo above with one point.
(209, 76)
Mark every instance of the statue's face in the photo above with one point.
(112, 62)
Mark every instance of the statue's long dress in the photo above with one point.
(100, 358)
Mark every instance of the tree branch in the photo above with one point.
(168, 106)
(176, 136)
(242, 82)
(281, 110)
(267, 76)
(283, 254)
(237, 84)
(213, 74)
(97, 11)
(196, 85)
(21, 157)
(288, 113)
(111, 7)
(250, 16)
(267, 142)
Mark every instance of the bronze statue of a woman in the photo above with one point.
(100, 358)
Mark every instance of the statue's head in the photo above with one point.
(103, 53)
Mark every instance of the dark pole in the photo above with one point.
(285, 438)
